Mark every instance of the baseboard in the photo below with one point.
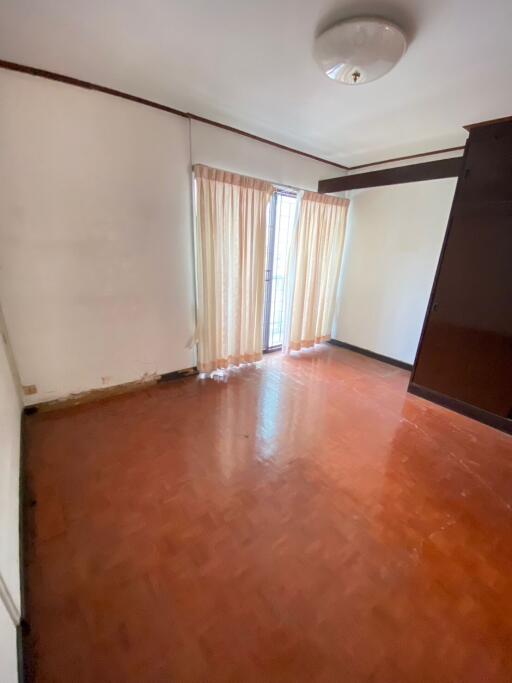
(490, 419)
(177, 374)
(371, 354)
(106, 392)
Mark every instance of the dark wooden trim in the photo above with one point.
(409, 156)
(61, 78)
(412, 173)
(496, 421)
(177, 374)
(69, 80)
(19, 654)
(238, 131)
(504, 119)
(371, 354)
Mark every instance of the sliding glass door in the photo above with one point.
(280, 228)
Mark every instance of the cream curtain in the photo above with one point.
(313, 271)
(231, 224)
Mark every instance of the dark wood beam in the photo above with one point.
(479, 124)
(431, 170)
(420, 155)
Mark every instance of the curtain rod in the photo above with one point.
(291, 189)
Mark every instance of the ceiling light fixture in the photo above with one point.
(360, 50)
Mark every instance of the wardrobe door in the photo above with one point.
(466, 347)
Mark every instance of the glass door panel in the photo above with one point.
(280, 228)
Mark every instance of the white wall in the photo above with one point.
(222, 149)
(8, 649)
(394, 238)
(96, 254)
(96, 264)
(10, 420)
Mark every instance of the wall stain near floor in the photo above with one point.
(29, 389)
(148, 379)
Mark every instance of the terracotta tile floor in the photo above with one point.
(306, 520)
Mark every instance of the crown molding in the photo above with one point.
(77, 82)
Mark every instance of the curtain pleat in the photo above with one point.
(231, 224)
(315, 262)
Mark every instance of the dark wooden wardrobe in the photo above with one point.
(464, 358)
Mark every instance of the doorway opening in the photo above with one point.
(280, 228)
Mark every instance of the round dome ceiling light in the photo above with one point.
(360, 50)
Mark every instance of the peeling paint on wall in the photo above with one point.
(146, 379)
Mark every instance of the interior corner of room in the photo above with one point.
(101, 272)
(152, 231)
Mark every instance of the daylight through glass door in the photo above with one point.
(280, 228)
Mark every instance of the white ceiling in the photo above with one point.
(249, 64)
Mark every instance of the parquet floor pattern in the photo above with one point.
(305, 520)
